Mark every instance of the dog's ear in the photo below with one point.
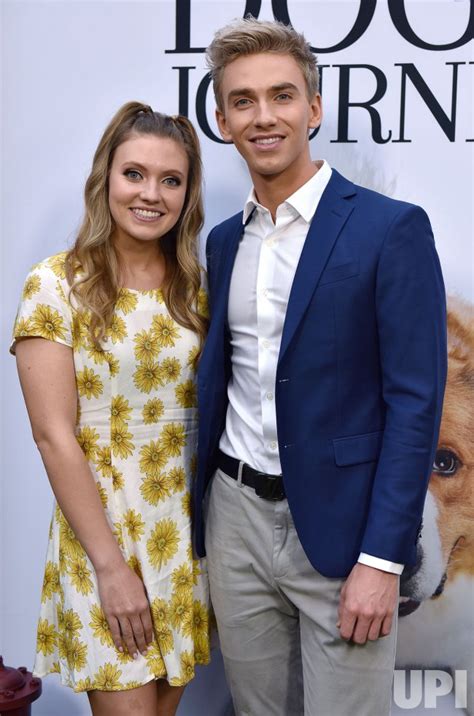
(461, 331)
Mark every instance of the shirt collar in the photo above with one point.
(305, 200)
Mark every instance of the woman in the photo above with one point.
(107, 338)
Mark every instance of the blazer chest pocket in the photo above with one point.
(357, 448)
(339, 273)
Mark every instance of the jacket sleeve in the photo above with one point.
(411, 322)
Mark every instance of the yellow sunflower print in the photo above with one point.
(69, 623)
(118, 481)
(152, 411)
(23, 327)
(80, 575)
(121, 444)
(32, 285)
(51, 583)
(108, 678)
(155, 662)
(89, 383)
(87, 438)
(155, 488)
(171, 369)
(126, 302)
(186, 394)
(177, 479)
(57, 264)
(136, 424)
(134, 524)
(117, 330)
(173, 439)
(165, 330)
(153, 458)
(100, 626)
(46, 637)
(163, 543)
(47, 323)
(120, 411)
(146, 346)
(103, 461)
(181, 611)
(148, 376)
(182, 579)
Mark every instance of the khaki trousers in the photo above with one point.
(276, 617)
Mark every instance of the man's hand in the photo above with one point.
(368, 600)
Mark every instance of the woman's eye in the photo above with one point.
(172, 181)
(446, 463)
(132, 174)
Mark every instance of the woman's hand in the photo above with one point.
(125, 604)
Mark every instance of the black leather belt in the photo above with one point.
(268, 487)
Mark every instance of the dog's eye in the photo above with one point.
(445, 463)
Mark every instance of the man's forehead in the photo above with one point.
(261, 72)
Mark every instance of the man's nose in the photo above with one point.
(265, 115)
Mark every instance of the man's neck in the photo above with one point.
(273, 190)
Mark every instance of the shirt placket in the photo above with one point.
(269, 329)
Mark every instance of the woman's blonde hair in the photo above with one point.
(96, 285)
(250, 37)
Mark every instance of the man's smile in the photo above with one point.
(267, 141)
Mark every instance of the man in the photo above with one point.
(320, 393)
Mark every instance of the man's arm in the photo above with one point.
(411, 321)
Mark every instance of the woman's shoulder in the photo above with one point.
(50, 274)
(47, 280)
(54, 265)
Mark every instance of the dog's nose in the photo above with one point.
(409, 572)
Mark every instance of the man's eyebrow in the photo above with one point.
(284, 86)
(239, 92)
(246, 91)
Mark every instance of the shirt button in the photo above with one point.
(270, 242)
(269, 396)
(265, 343)
(273, 445)
(265, 292)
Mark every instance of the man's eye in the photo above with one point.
(284, 95)
(172, 181)
(241, 102)
(133, 174)
(446, 463)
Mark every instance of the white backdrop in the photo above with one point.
(67, 66)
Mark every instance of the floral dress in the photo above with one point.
(137, 427)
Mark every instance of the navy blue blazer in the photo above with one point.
(360, 377)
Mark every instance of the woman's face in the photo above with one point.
(147, 188)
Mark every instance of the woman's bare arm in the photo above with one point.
(47, 377)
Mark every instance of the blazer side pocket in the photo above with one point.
(357, 448)
(338, 273)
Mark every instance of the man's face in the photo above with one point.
(267, 114)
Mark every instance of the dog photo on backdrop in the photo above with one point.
(436, 626)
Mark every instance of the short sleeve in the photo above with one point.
(44, 310)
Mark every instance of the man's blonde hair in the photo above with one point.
(250, 37)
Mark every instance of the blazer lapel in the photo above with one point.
(221, 300)
(331, 215)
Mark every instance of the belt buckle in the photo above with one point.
(271, 488)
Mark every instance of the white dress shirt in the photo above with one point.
(262, 276)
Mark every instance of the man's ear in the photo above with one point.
(316, 115)
(222, 124)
